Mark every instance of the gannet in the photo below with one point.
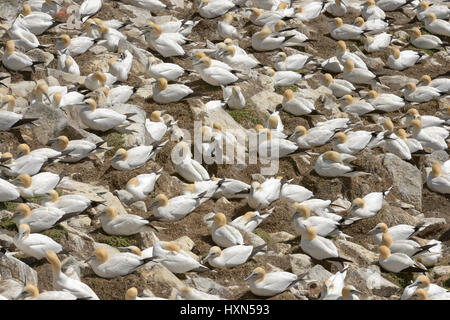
(64, 283)
(211, 9)
(357, 75)
(36, 22)
(408, 247)
(352, 142)
(102, 119)
(116, 265)
(231, 189)
(263, 194)
(39, 219)
(334, 164)
(442, 84)
(283, 78)
(67, 64)
(359, 107)
(120, 68)
(438, 180)
(75, 150)
(250, 220)
(397, 232)
(272, 283)
(341, 31)
(314, 137)
(231, 256)
(397, 262)
(188, 168)
(214, 75)
(430, 137)
(175, 208)
(401, 60)
(320, 248)
(121, 225)
(309, 11)
(293, 62)
(188, 293)
(426, 41)
(324, 226)
(8, 118)
(339, 87)
(31, 292)
(131, 294)
(370, 10)
(35, 245)
(74, 47)
(135, 157)
(234, 97)
(420, 94)
(377, 43)
(164, 93)
(17, 61)
(37, 185)
(177, 261)
(386, 102)
(226, 29)
(71, 204)
(169, 71)
(98, 80)
(223, 234)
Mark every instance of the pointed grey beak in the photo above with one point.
(210, 219)
(154, 204)
(22, 234)
(196, 63)
(48, 98)
(89, 259)
(51, 141)
(206, 258)
(372, 231)
(255, 218)
(5, 159)
(100, 215)
(22, 295)
(249, 277)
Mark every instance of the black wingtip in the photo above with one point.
(97, 203)
(257, 249)
(129, 115)
(24, 121)
(201, 195)
(153, 218)
(146, 260)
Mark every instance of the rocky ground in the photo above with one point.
(410, 201)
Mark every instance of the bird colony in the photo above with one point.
(136, 138)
